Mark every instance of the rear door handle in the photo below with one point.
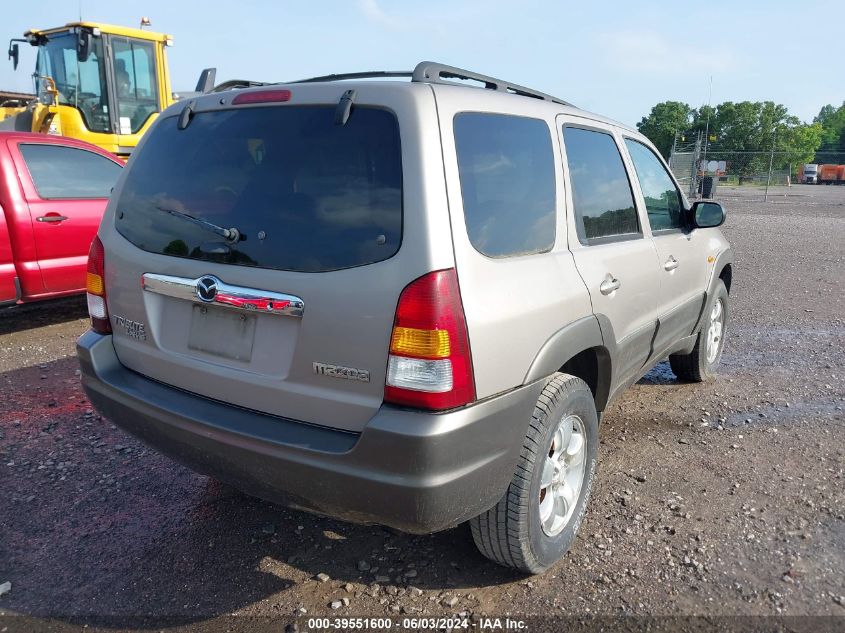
(671, 264)
(51, 217)
(611, 284)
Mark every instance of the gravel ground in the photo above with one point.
(725, 498)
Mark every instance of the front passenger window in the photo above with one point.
(662, 199)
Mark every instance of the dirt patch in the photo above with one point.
(722, 498)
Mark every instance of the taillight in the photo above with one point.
(95, 285)
(429, 364)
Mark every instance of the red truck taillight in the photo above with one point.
(429, 366)
(95, 286)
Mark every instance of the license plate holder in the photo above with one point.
(224, 333)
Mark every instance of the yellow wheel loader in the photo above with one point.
(96, 82)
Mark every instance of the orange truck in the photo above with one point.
(831, 174)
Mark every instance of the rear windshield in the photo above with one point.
(303, 193)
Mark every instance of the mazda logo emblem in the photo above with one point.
(207, 288)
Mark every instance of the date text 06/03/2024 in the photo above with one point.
(417, 624)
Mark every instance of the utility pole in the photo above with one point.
(771, 164)
(707, 124)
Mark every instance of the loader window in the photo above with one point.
(135, 83)
(80, 84)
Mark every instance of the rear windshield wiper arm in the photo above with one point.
(232, 234)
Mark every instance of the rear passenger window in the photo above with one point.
(662, 199)
(506, 166)
(67, 172)
(604, 204)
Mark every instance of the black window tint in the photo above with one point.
(305, 194)
(68, 172)
(507, 182)
(662, 199)
(604, 204)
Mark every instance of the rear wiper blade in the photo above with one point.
(232, 234)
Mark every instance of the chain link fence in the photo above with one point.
(684, 162)
(704, 170)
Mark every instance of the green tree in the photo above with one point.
(745, 132)
(746, 127)
(663, 122)
(799, 141)
(825, 114)
(832, 122)
(703, 120)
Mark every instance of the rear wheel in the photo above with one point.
(701, 363)
(535, 522)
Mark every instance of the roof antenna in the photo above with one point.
(80, 10)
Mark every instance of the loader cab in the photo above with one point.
(99, 83)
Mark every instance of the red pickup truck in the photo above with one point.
(53, 191)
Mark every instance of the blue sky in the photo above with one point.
(615, 58)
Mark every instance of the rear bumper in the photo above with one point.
(414, 471)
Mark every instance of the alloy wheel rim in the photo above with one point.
(562, 475)
(714, 331)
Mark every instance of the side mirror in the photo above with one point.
(83, 45)
(14, 54)
(707, 214)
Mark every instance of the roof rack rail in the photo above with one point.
(371, 74)
(437, 73)
(237, 83)
(434, 72)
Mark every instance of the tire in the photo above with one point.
(701, 363)
(512, 533)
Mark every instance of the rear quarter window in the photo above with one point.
(507, 176)
(305, 194)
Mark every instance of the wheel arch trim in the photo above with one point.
(584, 334)
(723, 259)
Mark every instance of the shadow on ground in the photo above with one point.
(96, 526)
(41, 313)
